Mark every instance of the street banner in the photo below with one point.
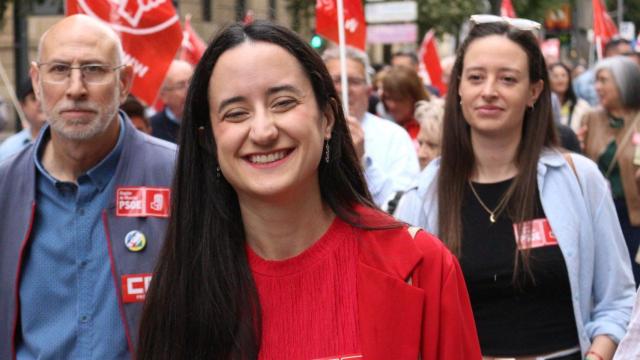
(151, 36)
(431, 61)
(603, 26)
(192, 45)
(507, 10)
(354, 22)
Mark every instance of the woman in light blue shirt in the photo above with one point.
(537, 238)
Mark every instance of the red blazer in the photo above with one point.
(429, 319)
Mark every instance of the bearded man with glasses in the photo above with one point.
(84, 208)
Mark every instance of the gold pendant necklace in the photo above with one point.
(493, 214)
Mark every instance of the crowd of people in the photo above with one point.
(253, 217)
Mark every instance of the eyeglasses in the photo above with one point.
(177, 86)
(59, 73)
(518, 23)
(351, 81)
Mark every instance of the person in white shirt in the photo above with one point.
(387, 154)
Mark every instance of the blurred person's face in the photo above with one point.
(607, 90)
(174, 89)
(76, 108)
(268, 129)
(405, 61)
(399, 107)
(559, 80)
(429, 147)
(494, 88)
(577, 71)
(358, 89)
(33, 112)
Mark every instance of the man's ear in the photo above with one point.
(126, 81)
(34, 74)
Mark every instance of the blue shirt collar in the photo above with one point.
(171, 115)
(99, 174)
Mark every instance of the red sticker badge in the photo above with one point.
(534, 234)
(134, 287)
(142, 201)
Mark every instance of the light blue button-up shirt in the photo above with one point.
(15, 143)
(68, 301)
(583, 218)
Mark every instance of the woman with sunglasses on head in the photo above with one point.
(274, 248)
(535, 230)
(611, 138)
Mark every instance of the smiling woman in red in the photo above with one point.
(274, 249)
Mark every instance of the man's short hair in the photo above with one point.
(353, 54)
(25, 90)
(133, 107)
(407, 53)
(614, 43)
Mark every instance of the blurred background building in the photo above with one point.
(568, 21)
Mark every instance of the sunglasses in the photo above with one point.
(517, 23)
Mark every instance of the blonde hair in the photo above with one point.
(430, 114)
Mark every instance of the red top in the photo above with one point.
(309, 303)
(413, 128)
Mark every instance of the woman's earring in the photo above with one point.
(218, 172)
(327, 153)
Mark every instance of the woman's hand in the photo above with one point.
(582, 135)
(602, 348)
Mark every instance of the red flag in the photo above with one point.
(431, 61)
(192, 45)
(354, 24)
(603, 26)
(506, 9)
(150, 33)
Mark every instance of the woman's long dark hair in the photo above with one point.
(569, 95)
(202, 301)
(458, 159)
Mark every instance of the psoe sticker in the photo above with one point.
(533, 234)
(135, 287)
(142, 201)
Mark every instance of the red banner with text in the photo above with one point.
(150, 32)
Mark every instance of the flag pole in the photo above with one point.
(343, 58)
(12, 96)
